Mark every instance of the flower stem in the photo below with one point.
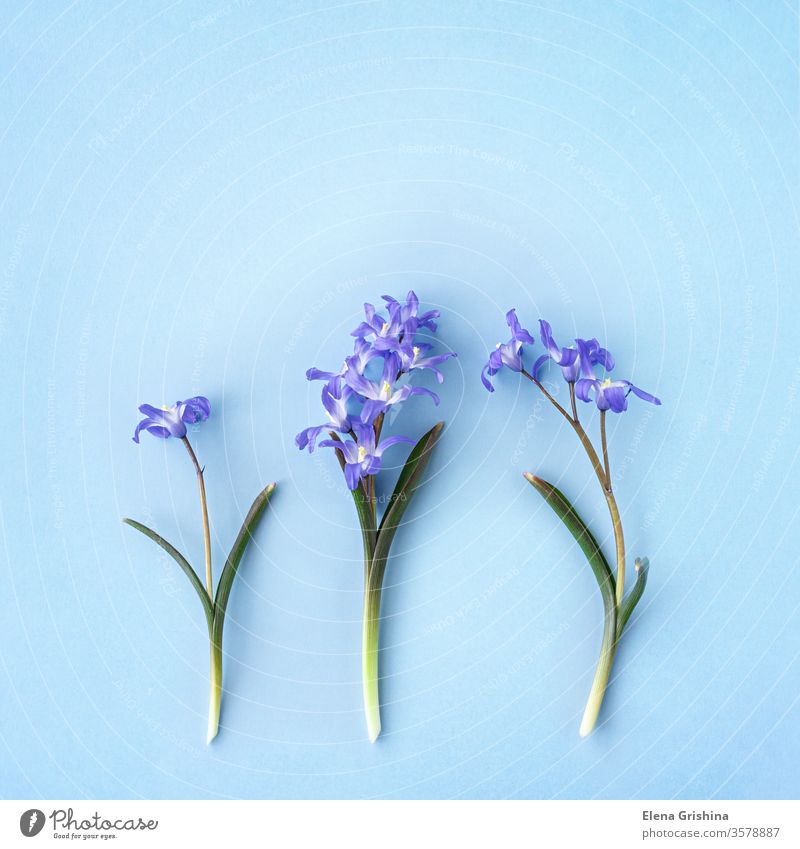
(215, 692)
(619, 540)
(369, 661)
(204, 511)
(603, 671)
(604, 443)
(602, 470)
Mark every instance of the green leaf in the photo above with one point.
(182, 562)
(407, 484)
(583, 536)
(234, 558)
(632, 599)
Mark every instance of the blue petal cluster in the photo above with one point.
(373, 380)
(577, 364)
(165, 422)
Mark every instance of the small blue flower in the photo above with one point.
(363, 352)
(384, 330)
(171, 421)
(381, 394)
(508, 354)
(363, 457)
(410, 358)
(409, 318)
(569, 359)
(611, 394)
(335, 395)
(608, 394)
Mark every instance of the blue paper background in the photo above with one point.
(197, 197)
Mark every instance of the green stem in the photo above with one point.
(603, 671)
(215, 691)
(369, 660)
(204, 511)
(619, 540)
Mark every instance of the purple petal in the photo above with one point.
(421, 390)
(308, 437)
(583, 388)
(645, 396)
(518, 332)
(196, 409)
(613, 398)
(538, 364)
(352, 474)
(390, 441)
(371, 410)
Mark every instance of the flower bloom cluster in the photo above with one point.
(372, 380)
(577, 365)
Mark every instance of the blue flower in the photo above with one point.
(508, 354)
(608, 394)
(611, 394)
(171, 421)
(381, 394)
(363, 457)
(363, 352)
(569, 359)
(409, 317)
(385, 331)
(335, 395)
(410, 358)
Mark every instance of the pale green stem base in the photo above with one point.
(601, 675)
(215, 692)
(369, 663)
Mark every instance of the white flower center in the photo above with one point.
(362, 453)
(606, 383)
(385, 327)
(415, 349)
(386, 390)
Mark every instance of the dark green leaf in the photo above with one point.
(407, 484)
(583, 536)
(234, 558)
(182, 562)
(632, 599)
